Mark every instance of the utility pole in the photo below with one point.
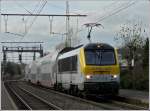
(68, 38)
(0, 15)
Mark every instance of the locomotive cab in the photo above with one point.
(100, 67)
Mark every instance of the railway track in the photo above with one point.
(122, 103)
(65, 101)
(28, 101)
(62, 100)
(114, 101)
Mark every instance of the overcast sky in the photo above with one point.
(97, 11)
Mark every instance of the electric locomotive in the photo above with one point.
(92, 69)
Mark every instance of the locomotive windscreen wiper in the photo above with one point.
(99, 56)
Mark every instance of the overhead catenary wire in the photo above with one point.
(115, 12)
(61, 8)
(109, 12)
(36, 6)
(100, 18)
(39, 11)
(111, 4)
(26, 20)
(30, 12)
(23, 19)
(112, 13)
(28, 28)
(34, 10)
(116, 8)
(67, 19)
(22, 7)
(34, 19)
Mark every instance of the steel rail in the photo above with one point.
(114, 103)
(121, 104)
(102, 105)
(39, 98)
(105, 106)
(19, 98)
(13, 88)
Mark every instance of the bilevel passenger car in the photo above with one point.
(92, 68)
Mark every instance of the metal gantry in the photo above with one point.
(67, 15)
(22, 49)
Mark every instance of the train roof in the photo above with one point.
(98, 46)
(67, 49)
(71, 51)
(88, 46)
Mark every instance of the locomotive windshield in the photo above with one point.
(100, 57)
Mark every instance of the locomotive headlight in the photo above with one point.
(114, 76)
(99, 46)
(88, 76)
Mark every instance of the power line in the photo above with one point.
(115, 12)
(36, 6)
(112, 13)
(116, 8)
(23, 7)
(111, 4)
(34, 10)
(61, 8)
(79, 15)
(39, 11)
(25, 21)
(106, 14)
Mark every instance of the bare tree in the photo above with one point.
(131, 37)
